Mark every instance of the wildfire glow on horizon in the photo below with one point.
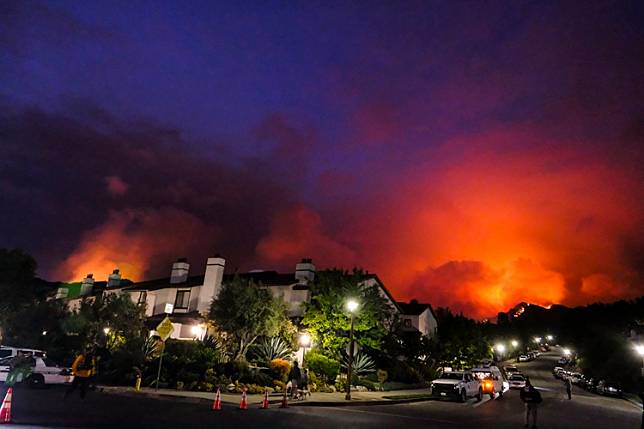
(471, 169)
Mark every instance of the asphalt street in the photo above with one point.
(46, 408)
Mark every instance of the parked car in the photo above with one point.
(517, 381)
(491, 380)
(41, 371)
(562, 361)
(559, 372)
(523, 358)
(510, 369)
(576, 378)
(8, 352)
(590, 385)
(458, 385)
(607, 388)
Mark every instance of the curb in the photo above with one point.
(194, 400)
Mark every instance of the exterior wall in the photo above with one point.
(425, 323)
(414, 322)
(293, 298)
(163, 297)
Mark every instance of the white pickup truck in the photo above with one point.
(458, 385)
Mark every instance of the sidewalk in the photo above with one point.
(316, 399)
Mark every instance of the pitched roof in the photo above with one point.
(414, 308)
(164, 283)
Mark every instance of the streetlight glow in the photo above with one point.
(514, 343)
(352, 305)
(549, 337)
(106, 330)
(567, 352)
(537, 340)
(639, 348)
(305, 339)
(500, 348)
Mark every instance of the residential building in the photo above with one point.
(419, 317)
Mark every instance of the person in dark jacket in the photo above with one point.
(569, 387)
(531, 398)
(294, 376)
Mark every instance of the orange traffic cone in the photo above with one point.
(217, 404)
(284, 403)
(243, 404)
(5, 409)
(264, 405)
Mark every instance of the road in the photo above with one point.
(46, 408)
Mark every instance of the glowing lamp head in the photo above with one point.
(514, 343)
(305, 339)
(537, 340)
(567, 351)
(640, 349)
(106, 330)
(500, 348)
(197, 330)
(549, 337)
(352, 305)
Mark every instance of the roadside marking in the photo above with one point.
(379, 413)
(483, 401)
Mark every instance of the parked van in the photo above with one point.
(492, 380)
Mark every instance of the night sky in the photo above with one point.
(472, 154)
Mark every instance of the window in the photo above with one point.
(407, 323)
(143, 297)
(183, 299)
(5, 353)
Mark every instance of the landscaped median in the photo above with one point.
(317, 399)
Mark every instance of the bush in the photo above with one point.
(370, 385)
(404, 373)
(322, 366)
(279, 385)
(280, 369)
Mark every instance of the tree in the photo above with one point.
(460, 341)
(327, 318)
(245, 311)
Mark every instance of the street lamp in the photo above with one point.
(639, 348)
(305, 341)
(500, 348)
(537, 340)
(567, 351)
(514, 343)
(106, 330)
(549, 337)
(352, 306)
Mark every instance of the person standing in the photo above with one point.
(531, 398)
(305, 383)
(83, 369)
(294, 376)
(569, 387)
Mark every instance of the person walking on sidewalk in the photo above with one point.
(569, 387)
(295, 375)
(83, 369)
(531, 398)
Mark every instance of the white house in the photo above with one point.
(186, 298)
(419, 317)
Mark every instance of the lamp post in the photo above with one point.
(639, 348)
(305, 340)
(514, 343)
(500, 348)
(352, 306)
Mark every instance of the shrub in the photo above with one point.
(279, 385)
(322, 366)
(362, 364)
(280, 368)
(269, 349)
(370, 385)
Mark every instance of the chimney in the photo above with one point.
(305, 271)
(179, 271)
(114, 279)
(87, 285)
(211, 283)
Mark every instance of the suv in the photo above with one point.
(6, 352)
(39, 371)
(458, 385)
